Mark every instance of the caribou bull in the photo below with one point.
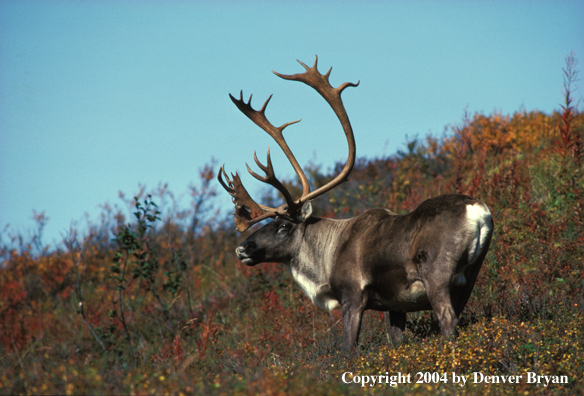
(427, 259)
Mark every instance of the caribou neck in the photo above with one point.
(311, 267)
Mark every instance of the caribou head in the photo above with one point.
(426, 259)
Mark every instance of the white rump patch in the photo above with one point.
(480, 224)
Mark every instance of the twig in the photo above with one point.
(17, 354)
(70, 242)
(82, 311)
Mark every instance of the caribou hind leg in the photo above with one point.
(442, 306)
(482, 241)
(460, 295)
(436, 277)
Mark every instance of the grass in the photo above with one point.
(159, 304)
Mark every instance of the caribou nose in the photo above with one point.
(246, 252)
(244, 249)
(239, 251)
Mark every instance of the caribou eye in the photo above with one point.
(283, 228)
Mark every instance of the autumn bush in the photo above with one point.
(151, 299)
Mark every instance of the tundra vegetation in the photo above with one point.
(151, 299)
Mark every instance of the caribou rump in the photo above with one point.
(428, 259)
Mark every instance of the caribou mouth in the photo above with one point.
(248, 261)
(244, 257)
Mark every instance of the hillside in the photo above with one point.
(155, 301)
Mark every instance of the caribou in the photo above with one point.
(428, 259)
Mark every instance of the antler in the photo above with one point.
(247, 211)
(259, 118)
(332, 95)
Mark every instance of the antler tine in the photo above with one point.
(320, 82)
(220, 178)
(247, 211)
(270, 178)
(259, 118)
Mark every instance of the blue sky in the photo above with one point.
(98, 97)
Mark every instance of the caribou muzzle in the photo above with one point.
(249, 254)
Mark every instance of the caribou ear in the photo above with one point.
(305, 211)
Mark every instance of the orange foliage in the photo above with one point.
(497, 133)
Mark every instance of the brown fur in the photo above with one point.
(426, 259)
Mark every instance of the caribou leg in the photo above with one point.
(460, 295)
(437, 282)
(397, 326)
(352, 315)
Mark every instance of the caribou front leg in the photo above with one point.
(397, 325)
(352, 315)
